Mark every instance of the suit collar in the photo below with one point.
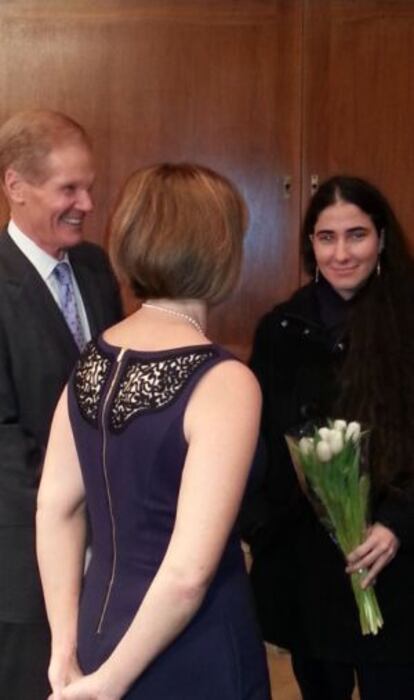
(26, 286)
(39, 258)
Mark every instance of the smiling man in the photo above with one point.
(56, 292)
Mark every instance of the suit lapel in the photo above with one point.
(26, 286)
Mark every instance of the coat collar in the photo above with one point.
(318, 305)
(303, 307)
(317, 313)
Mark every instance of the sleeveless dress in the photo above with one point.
(126, 409)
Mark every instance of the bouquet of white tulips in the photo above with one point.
(328, 466)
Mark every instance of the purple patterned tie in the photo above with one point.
(68, 305)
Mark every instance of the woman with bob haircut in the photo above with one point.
(153, 439)
(341, 347)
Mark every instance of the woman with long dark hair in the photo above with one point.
(341, 347)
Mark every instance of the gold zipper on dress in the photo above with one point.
(108, 493)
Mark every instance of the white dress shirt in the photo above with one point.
(45, 264)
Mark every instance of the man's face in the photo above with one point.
(52, 212)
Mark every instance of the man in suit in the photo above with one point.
(56, 292)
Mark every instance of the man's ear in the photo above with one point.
(14, 186)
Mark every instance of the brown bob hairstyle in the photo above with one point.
(177, 232)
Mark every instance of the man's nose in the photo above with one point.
(84, 201)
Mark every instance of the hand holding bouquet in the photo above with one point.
(329, 470)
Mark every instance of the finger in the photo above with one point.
(385, 539)
(378, 537)
(361, 551)
(363, 563)
(374, 571)
(380, 563)
(384, 547)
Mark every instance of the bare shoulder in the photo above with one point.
(235, 373)
(226, 383)
(226, 401)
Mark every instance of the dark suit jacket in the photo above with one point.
(37, 354)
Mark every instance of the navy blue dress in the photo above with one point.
(126, 410)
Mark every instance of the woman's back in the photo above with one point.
(159, 443)
(127, 409)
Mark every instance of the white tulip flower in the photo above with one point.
(353, 431)
(324, 433)
(336, 441)
(306, 445)
(323, 451)
(339, 424)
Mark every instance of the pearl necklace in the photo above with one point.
(177, 314)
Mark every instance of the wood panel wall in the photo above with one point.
(206, 81)
(266, 91)
(359, 96)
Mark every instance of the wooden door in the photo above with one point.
(211, 81)
(359, 96)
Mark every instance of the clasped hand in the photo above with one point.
(378, 549)
(90, 687)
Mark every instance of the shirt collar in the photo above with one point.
(42, 261)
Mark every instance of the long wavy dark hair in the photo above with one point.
(376, 381)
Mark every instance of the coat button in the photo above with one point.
(306, 331)
(284, 323)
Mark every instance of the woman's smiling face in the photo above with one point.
(346, 246)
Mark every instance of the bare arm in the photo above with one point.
(221, 426)
(61, 535)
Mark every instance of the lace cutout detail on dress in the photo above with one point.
(91, 373)
(151, 385)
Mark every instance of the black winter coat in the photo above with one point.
(303, 594)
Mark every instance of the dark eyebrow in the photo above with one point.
(356, 228)
(323, 230)
(348, 230)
